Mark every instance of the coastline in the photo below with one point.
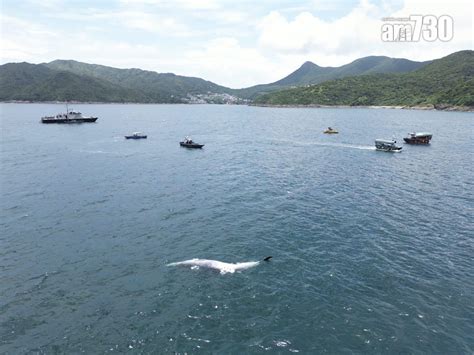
(112, 103)
(448, 108)
(93, 103)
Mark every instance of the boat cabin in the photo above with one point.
(387, 145)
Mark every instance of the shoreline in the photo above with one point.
(95, 103)
(443, 107)
(114, 103)
(393, 107)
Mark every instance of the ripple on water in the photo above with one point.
(372, 251)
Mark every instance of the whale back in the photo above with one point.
(223, 267)
(246, 265)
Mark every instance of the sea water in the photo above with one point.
(372, 251)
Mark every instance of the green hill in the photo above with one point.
(310, 73)
(30, 82)
(445, 81)
(367, 81)
(67, 80)
(157, 87)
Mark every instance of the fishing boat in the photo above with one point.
(136, 135)
(418, 138)
(68, 117)
(330, 130)
(189, 143)
(387, 145)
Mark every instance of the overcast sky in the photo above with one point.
(233, 43)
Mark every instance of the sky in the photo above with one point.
(232, 43)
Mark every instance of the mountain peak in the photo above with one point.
(307, 69)
(308, 65)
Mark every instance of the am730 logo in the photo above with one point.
(418, 27)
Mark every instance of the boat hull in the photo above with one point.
(391, 150)
(417, 140)
(69, 120)
(191, 145)
(135, 137)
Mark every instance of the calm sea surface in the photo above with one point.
(372, 252)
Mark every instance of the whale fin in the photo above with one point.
(268, 258)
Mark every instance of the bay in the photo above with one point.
(372, 251)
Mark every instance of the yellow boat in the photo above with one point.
(331, 131)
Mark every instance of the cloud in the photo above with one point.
(127, 19)
(224, 60)
(25, 41)
(461, 13)
(183, 4)
(147, 22)
(47, 4)
(234, 46)
(357, 34)
(230, 16)
(307, 33)
(20, 40)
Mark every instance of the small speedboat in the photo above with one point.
(387, 145)
(136, 135)
(418, 138)
(331, 131)
(189, 143)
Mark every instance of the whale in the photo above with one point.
(222, 267)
